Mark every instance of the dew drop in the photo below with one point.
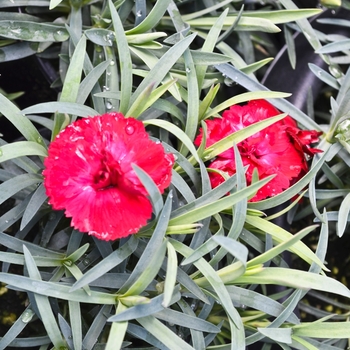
(39, 139)
(27, 316)
(105, 88)
(111, 37)
(112, 63)
(86, 262)
(139, 14)
(228, 82)
(60, 35)
(129, 129)
(109, 105)
(180, 335)
(188, 70)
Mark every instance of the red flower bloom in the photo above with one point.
(89, 174)
(278, 149)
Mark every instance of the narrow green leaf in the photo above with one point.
(173, 129)
(284, 16)
(236, 249)
(207, 210)
(280, 235)
(163, 333)
(152, 18)
(151, 307)
(89, 82)
(117, 332)
(34, 205)
(295, 278)
(124, 59)
(16, 117)
(214, 280)
(32, 31)
(282, 335)
(164, 64)
(344, 211)
(324, 76)
(61, 107)
(257, 301)
(304, 24)
(76, 324)
(72, 80)
(253, 67)
(43, 304)
(331, 330)
(156, 245)
(150, 271)
(107, 263)
(273, 252)
(18, 183)
(209, 45)
(56, 290)
(16, 244)
(170, 277)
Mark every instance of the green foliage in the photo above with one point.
(197, 276)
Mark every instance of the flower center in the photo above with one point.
(105, 178)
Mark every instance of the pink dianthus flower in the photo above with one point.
(88, 173)
(278, 149)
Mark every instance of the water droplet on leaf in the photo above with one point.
(27, 316)
(60, 35)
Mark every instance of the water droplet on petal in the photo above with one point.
(129, 129)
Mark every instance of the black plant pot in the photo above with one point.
(33, 76)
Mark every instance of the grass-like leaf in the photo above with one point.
(163, 333)
(295, 278)
(207, 210)
(107, 264)
(43, 304)
(72, 80)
